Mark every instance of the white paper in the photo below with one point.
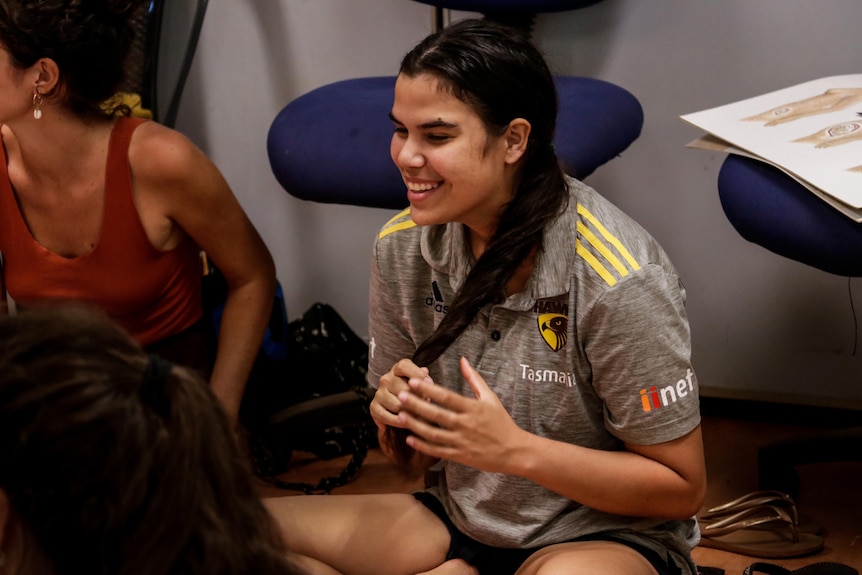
(812, 131)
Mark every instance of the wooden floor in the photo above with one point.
(830, 494)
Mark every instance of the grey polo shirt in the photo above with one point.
(595, 351)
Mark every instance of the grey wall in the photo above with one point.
(764, 327)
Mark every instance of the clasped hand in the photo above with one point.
(475, 431)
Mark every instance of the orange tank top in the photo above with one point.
(152, 294)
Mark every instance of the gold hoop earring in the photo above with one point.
(37, 104)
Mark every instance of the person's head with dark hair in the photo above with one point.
(88, 41)
(498, 75)
(116, 461)
(498, 72)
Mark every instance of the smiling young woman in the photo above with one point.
(550, 311)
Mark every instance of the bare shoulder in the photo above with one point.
(160, 155)
(171, 172)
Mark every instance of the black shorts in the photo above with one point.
(500, 561)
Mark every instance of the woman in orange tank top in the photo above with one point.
(114, 211)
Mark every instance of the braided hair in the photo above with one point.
(501, 75)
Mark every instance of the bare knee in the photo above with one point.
(587, 558)
(452, 567)
(362, 534)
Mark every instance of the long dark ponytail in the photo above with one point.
(501, 75)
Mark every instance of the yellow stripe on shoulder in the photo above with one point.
(601, 242)
(396, 224)
(595, 263)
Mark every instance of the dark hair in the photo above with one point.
(90, 41)
(501, 75)
(113, 466)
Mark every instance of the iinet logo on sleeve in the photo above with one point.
(654, 398)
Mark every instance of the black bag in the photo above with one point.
(315, 402)
(306, 391)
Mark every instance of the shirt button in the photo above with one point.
(495, 335)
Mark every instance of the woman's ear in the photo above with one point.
(46, 76)
(517, 135)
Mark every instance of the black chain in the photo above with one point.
(359, 443)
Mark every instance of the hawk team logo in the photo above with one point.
(553, 327)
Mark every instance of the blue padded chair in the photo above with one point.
(596, 122)
(771, 209)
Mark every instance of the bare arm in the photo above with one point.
(665, 480)
(179, 191)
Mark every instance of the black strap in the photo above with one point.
(768, 568)
(360, 443)
(822, 568)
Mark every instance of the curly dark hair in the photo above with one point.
(114, 469)
(498, 72)
(90, 40)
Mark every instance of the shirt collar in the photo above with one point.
(445, 248)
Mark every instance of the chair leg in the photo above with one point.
(440, 18)
(522, 22)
